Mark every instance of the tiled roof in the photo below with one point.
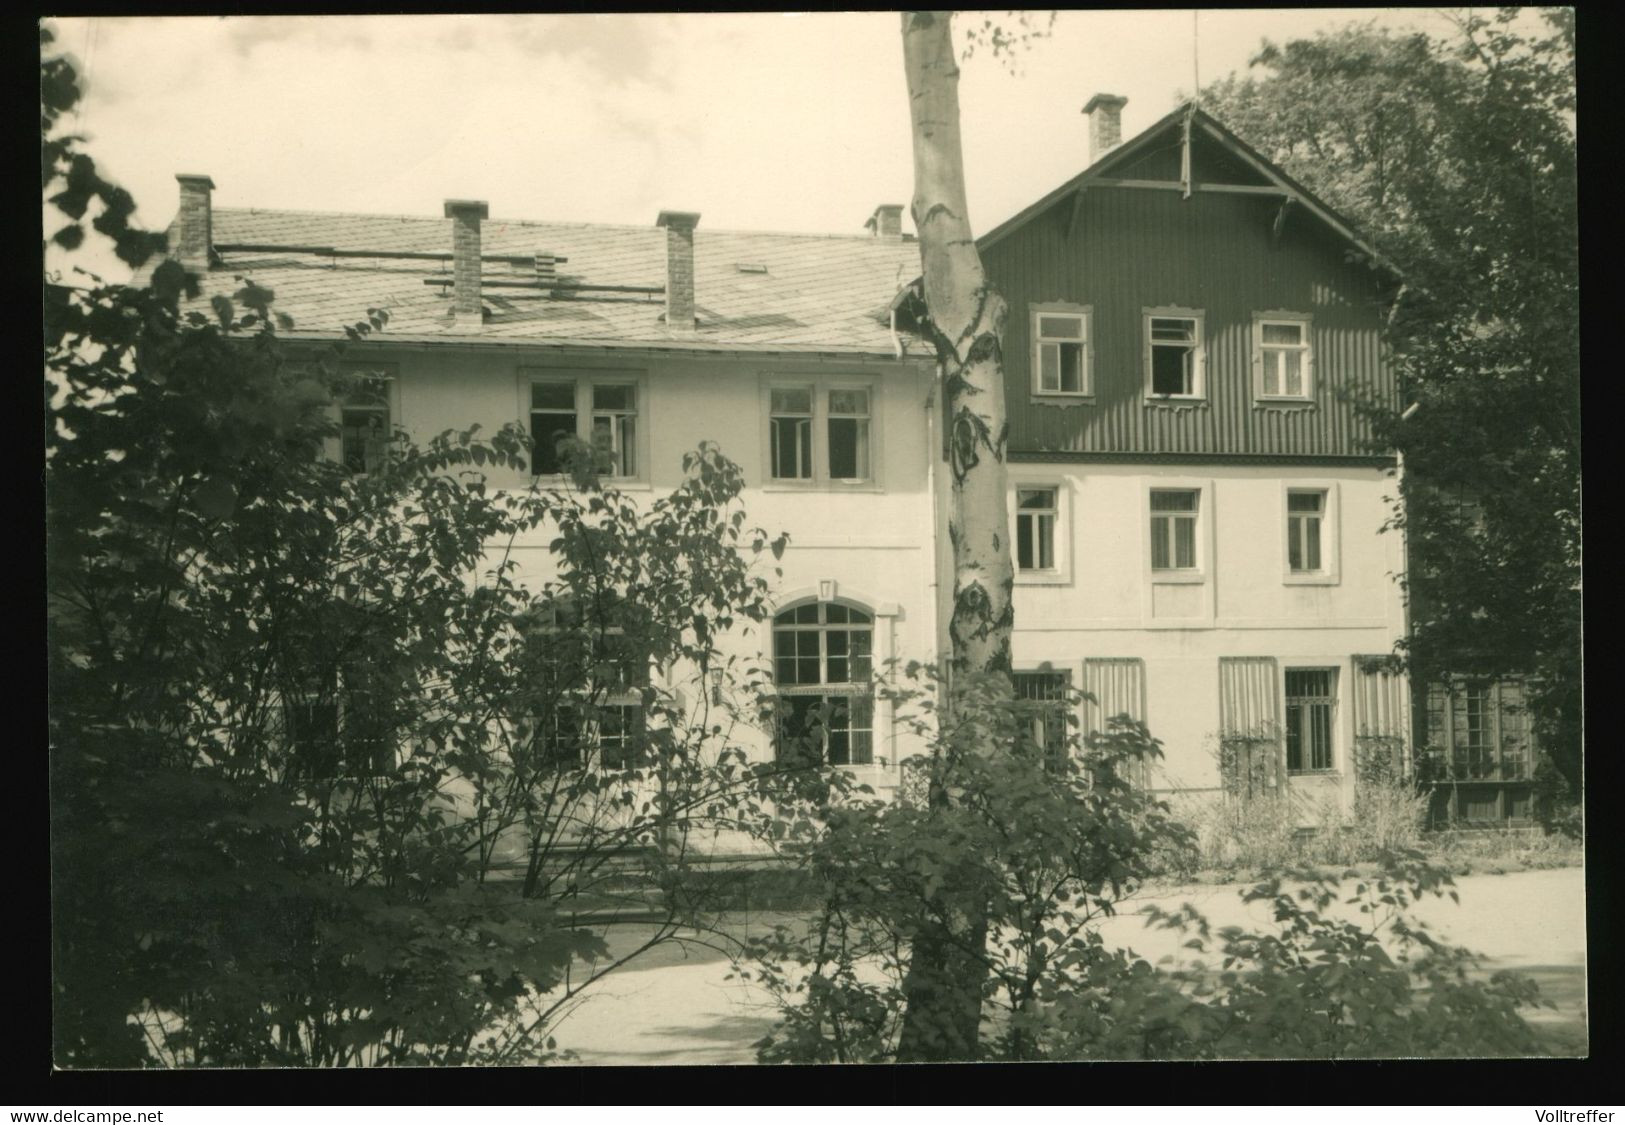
(819, 293)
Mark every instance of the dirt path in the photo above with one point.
(689, 1012)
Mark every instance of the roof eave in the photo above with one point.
(463, 340)
(1224, 136)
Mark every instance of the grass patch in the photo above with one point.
(1497, 851)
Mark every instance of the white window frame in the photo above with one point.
(389, 374)
(1330, 573)
(598, 698)
(617, 417)
(1201, 519)
(1198, 391)
(1334, 725)
(341, 696)
(811, 419)
(824, 416)
(583, 379)
(1084, 314)
(821, 386)
(1061, 572)
(1305, 323)
(825, 688)
(1032, 711)
(589, 726)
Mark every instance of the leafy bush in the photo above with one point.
(298, 718)
(1039, 846)
(1319, 986)
(1252, 836)
(1499, 850)
(1274, 830)
(1020, 872)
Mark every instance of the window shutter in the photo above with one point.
(1249, 704)
(1258, 358)
(1379, 698)
(1252, 754)
(1117, 687)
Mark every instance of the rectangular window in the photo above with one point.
(851, 730)
(364, 426)
(820, 433)
(600, 412)
(592, 677)
(1041, 702)
(558, 738)
(790, 420)
(1174, 355)
(339, 732)
(313, 738)
(614, 428)
(1173, 528)
(1283, 358)
(1475, 731)
(552, 421)
(369, 734)
(1311, 699)
(1483, 728)
(838, 727)
(1061, 350)
(1035, 528)
(620, 741)
(1305, 521)
(849, 435)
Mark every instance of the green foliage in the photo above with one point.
(1457, 157)
(1245, 836)
(1321, 985)
(1005, 37)
(303, 723)
(79, 185)
(1247, 832)
(1266, 833)
(1038, 849)
(1499, 850)
(1032, 849)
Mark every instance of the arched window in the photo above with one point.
(822, 669)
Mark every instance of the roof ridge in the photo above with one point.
(651, 228)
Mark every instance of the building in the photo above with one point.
(1196, 505)
(654, 339)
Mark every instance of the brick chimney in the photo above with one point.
(465, 216)
(1105, 124)
(887, 221)
(679, 267)
(194, 226)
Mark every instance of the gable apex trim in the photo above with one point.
(1216, 130)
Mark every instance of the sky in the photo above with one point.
(789, 122)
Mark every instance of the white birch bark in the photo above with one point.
(966, 322)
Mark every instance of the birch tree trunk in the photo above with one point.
(966, 321)
(947, 963)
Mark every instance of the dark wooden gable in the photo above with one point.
(1244, 240)
(1211, 162)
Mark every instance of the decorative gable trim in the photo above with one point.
(1099, 175)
